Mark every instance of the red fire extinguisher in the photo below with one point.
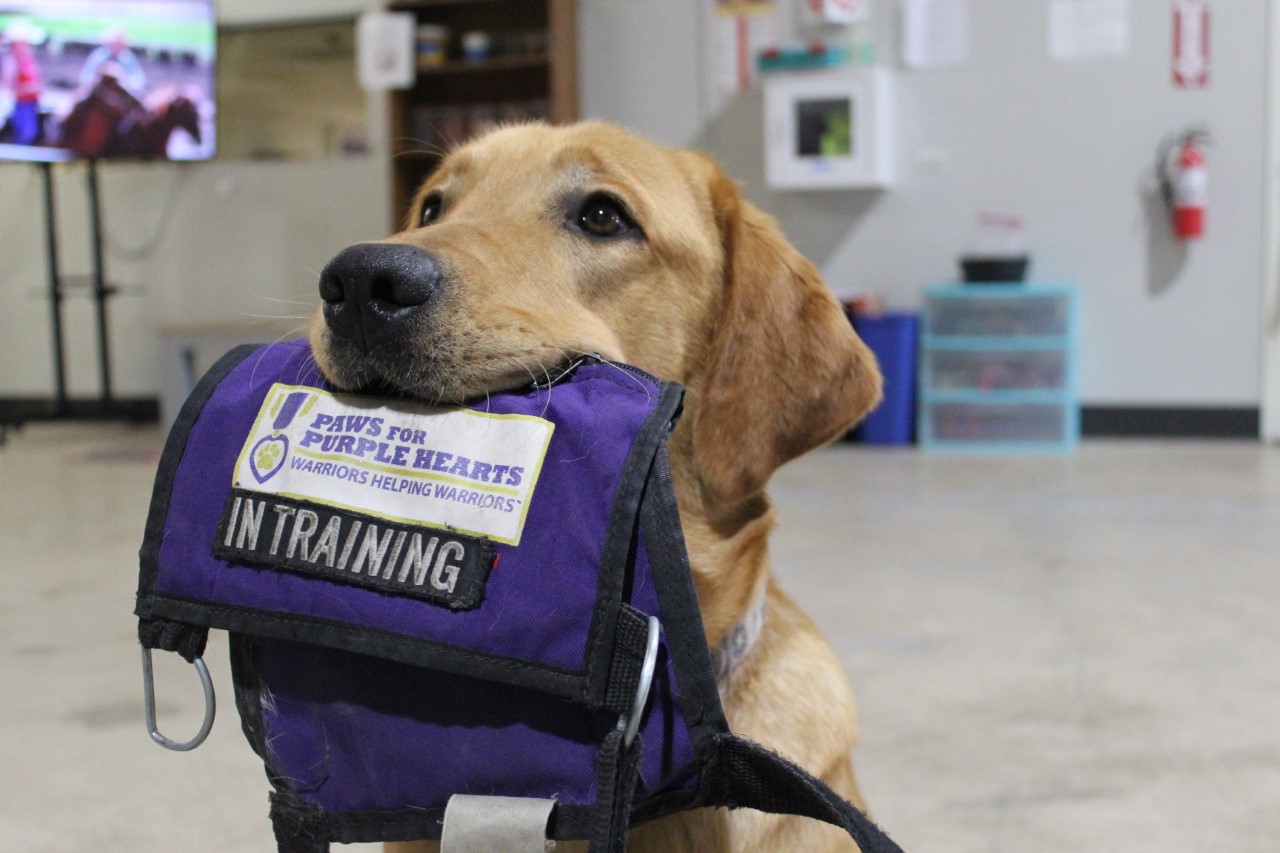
(1184, 179)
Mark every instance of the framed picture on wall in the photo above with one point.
(828, 130)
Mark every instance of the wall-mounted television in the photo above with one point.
(107, 79)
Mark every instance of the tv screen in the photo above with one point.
(106, 78)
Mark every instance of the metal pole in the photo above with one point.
(55, 292)
(101, 293)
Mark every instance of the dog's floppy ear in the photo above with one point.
(785, 372)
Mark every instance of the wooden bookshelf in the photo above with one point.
(530, 72)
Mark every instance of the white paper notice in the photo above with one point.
(1088, 29)
(935, 33)
(384, 50)
(731, 43)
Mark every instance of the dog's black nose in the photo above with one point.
(371, 289)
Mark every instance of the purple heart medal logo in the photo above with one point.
(290, 409)
(267, 457)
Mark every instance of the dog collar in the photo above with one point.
(739, 642)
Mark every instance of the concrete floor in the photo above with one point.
(1051, 654)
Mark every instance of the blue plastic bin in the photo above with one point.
(892, 337)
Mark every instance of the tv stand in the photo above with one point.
(14, 413)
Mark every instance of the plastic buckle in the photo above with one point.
(149, 698)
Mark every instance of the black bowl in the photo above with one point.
(983, 270)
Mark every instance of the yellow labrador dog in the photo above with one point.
(547, 242)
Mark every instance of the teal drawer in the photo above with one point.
(1026, 316)
(996, 426)
(996, 370)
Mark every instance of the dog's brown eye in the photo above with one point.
(601, 216)
(430, 211)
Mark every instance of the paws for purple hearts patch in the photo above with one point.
(447, 468)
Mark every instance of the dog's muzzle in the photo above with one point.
(374, 292)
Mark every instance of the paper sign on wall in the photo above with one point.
(384, 50)
(935, 33)
(1081, 30)
(837, 11)
(731, 8)
(732, 36)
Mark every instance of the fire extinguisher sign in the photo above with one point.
(1191, 43)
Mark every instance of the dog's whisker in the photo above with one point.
(254, 316)
(630, 377)
(546, 403)
(423, 148)
(565, 356)
(307, 364)
(305, 301)
(533, 377)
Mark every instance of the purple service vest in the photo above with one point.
(424, 603)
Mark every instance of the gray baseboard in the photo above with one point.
(1169, 422)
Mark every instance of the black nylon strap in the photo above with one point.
(629, 643)
(169, 636)
(743, 774)
(681, 617)
(617, 767)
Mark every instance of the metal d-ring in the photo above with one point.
(631, 722)
(149, 698)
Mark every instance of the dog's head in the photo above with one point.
(535, 244)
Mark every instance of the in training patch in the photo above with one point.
(443, 567)
(449, 468)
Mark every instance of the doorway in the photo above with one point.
(1270, 396)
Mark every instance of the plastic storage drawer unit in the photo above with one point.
(998, 368)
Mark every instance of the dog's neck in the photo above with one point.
(728, 551)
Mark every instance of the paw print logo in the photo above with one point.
(267, 457)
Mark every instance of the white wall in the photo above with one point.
(225, 242)
(1271, 289)
(237, 12)
(1068, 146)
(241, 241)
(638, 66)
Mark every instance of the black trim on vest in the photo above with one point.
(181, 638)
(681, 616)
(376, 642)
(616, 558)
(299, 827)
